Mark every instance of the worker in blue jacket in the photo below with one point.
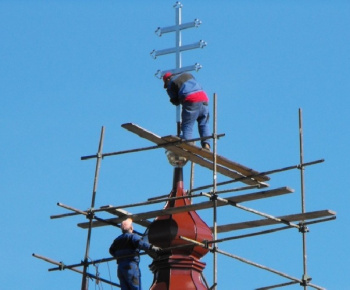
(126, 249)
(185, 90)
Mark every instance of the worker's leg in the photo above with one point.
(189, 116)
(122, 276)
(129, 276)
(203, 123)
(134, 277)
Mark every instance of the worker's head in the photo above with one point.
(166, 78)
(126, 226)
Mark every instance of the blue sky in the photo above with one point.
(70, 67)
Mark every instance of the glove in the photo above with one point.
(175, 101)
(156, 250)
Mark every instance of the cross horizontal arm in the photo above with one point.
(172, 28)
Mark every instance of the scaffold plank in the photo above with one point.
(122, 213)
(219, 159)
(193, 207)
(193, 157)
(268, 222)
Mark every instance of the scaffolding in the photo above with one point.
(248, 178)
(251, 179)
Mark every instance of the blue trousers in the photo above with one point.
(192, 112)
(129, 276)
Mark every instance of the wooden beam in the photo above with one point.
(123, 213)
(246, 171)
(268, 222)
(193, 207)
(179, 151)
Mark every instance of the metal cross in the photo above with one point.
(178, 49)
(177, 28)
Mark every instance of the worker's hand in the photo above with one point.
(157, 250)
(175, 101)
(154, 252)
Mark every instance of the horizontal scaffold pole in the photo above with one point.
(235, 204)
(269, 172)
(198, 206)
(205, 245)
(103, 209)
(62, 267)
(154, 200)
(164, 145)
(268, 269)
(269, 231)
(278, 285)
(92, 215)
(268, 222)
(205, 187)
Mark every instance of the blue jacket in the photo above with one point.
(127, 246)
(184, 88)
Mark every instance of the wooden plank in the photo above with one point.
(195, 158)
(268, 222)
(143, 133)
(193, 207)
(123, 213)
(208, 164)
(219, 159)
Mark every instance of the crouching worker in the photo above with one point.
(126, 249)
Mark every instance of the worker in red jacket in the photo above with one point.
(185, 90)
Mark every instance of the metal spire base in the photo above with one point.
(176, 160)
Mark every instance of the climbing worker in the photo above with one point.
(126, 249)
(185, 90)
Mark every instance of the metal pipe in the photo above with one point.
(268, 231)
(271, 172)
(178, 64)
(191, 180)
(306, 278)
(237, 189)
(97, 170)
(164, 145)
(255, 211)
(162, 30)
(214, 195)
(251, 263)
(278, 285)
(231, 190)
(267, 269)
(301, 160)
(151, 201)
(198, 44)
(62, 267)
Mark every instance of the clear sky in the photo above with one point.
(67, 68)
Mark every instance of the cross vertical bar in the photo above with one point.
(301, 160)
(305, 276)
(90, 216)
(178, 63)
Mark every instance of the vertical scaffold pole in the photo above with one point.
(305, 275)
(178, 7)
(84, 282)
(214, 192)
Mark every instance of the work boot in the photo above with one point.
(206, 146)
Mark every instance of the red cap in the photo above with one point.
(166, 75)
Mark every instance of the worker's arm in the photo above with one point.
(173, 94)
